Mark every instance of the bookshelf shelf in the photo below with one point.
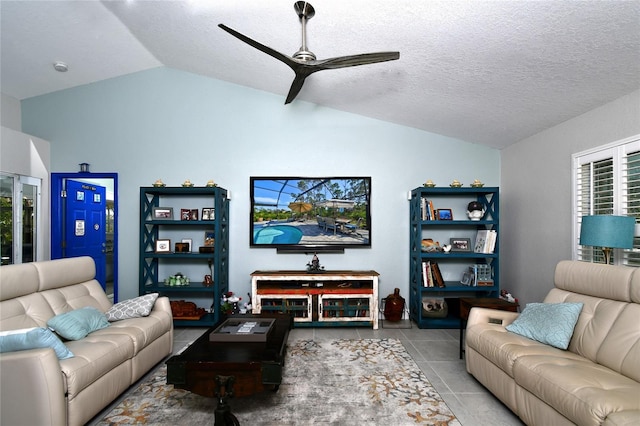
(452, 265)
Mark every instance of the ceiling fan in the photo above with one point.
(304, 62)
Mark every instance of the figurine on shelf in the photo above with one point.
(229, 303)
(475, 210)
(314, 265)
(247, 307)
(428, 245)
(505, 295)
(208, 281)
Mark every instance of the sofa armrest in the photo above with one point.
(162, 304)
(32, 388)
(491, 316)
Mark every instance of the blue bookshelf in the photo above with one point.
(453, 264)
(155, 267)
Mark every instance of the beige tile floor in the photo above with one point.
(435, 351)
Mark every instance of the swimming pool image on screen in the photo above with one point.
(303, 214)
(276, 234)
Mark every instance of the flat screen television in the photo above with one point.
(310, 214)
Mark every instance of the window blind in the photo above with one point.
(606, 181)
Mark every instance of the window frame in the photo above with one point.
(18, 223)
(619, 152)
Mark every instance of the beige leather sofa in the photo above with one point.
(37, 388)
(596, 381)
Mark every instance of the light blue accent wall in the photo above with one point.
(173, 125)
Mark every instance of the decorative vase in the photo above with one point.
(394, 306)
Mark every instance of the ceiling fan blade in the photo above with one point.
(261, 47)
(295, 88)
(355, 60)
(305, 69)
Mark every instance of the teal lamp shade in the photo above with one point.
(608, 232)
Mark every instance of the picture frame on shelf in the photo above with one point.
(185, 214)
(460, 244)
(188, 241)
(163, 246)
(163, 213)
(444, 214)
(209, 239)
(182, 247)
(208, 213)
(193, 214)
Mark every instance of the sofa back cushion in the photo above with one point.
(27, 311)
(65, 299)
(32, 293)
(63, 272)
(606, 332)
(18, 280)
(597, 279)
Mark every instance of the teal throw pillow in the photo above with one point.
(33, 338)
(76, 324)
(549, 323)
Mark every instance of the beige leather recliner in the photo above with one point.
(596, 381)
(38, 389)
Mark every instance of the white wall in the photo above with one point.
(174, 125)
(536, 226)
(10, 113)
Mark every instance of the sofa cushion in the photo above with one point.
(95, 356)
(33, 338)
(582, 391)
(76, 324)
(143, 330)
(550, 323)
(133, 308)
(503, 348)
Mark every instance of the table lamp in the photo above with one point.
(608, 232)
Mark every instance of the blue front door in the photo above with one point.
(85, 222)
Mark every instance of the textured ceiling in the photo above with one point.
(488, 72)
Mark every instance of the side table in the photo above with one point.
(467, 303)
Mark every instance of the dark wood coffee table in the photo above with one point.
(228, 369)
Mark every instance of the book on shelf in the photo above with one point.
(427, 274)
(427, 211)
(485, 241)
(437, 275)
(424, 209)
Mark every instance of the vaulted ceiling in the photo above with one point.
(488, 72)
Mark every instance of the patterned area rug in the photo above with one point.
(326, 382)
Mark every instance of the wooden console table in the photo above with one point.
(336, 298)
